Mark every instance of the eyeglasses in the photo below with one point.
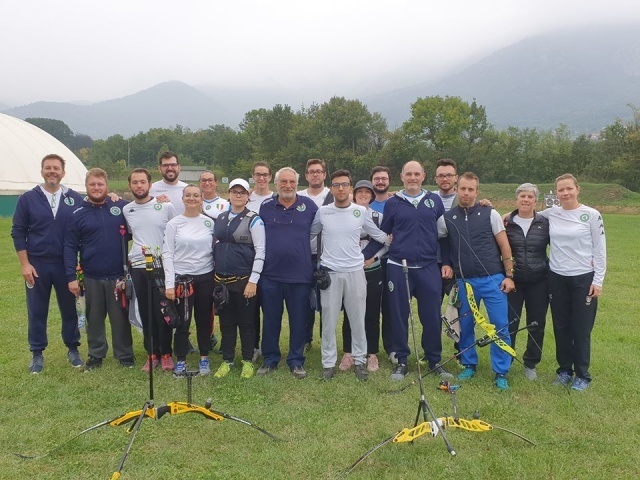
(169, 165)
(442, 176)
(207, 180)
(237, 193)
(262, 175)
(315, 172)
(380, 179)
(343, 185)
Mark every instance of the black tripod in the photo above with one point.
(149, 410)
(423, 406)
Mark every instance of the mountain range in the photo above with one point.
(583, 78)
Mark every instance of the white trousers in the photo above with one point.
(350, 289)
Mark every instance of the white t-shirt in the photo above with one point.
(54, 199)
(174, 192)
(256, 200)
(214, 207)
(341, 235)
(318, 200)
(146, 223)
(525, 223)
(577, 242)
(187, 247)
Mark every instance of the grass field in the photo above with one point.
(326, 426)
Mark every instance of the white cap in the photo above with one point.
(239, 181)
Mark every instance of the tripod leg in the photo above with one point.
(134, 431)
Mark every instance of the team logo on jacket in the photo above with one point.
(585, 217)
(208, 207)
(356, 213)
(429, 203)
(69, 201)
(158, 206)
(301, 208)
(115, 211)
(390, 285)
(207, 223)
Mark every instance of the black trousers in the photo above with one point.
(375, 281)
(573, 313)
(162, 333)
(311, 315)
(237, 316)
(200, 303)
(386, 315)
(535, 298)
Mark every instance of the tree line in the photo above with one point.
(346, 134)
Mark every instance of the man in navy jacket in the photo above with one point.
(38, 237)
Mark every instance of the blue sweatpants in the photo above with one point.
(425, 285)
(485, 289)
(273, 295)
(50, 274)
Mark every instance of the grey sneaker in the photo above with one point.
(266, 370)
(439, 370)
(530, 373)
(327, 373)
(361, 372)
(399, 372)
(203, 367)
(74, 359)
(299, 372)
(580, 384)
(563, 379)
(37, 364)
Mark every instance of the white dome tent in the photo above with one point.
(22, 147)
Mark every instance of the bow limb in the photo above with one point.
(483, 323)
(363, 457)
(247, 423)
(522, 437)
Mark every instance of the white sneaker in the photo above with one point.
(530, 373)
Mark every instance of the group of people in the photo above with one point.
(351, 246)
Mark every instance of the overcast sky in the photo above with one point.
(79, 50)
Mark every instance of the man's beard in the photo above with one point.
(380, 191)
(140, 196)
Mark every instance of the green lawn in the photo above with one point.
(326, 426)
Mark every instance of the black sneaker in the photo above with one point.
(266, 370)
(399, 372)
(74, 359)
(439, 370)
(361, 372)
(37, 363)
(128, 362)
(92, 362)
(327, 373)
(299, 372)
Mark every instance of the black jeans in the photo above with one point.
(162, 333)
(573, 313)
(535, 298)
(238, 316)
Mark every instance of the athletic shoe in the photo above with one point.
(372, 363)
(247, 369)
(204, 367)
(299, 372)
(128, 362)
(393, 359)
(399, 372)
(92, 362)
(327, 373)
(437, 369)
(147, 364)
(530, 373)
(266, 369)
(167, 362)
(580, 384)
(467, 373)
(563, 379)
(180, 369)
(501, 382)
(223, 370)
(361, 373)
(37, 363)
(74, 359)
(257, 353)
(346, 363)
